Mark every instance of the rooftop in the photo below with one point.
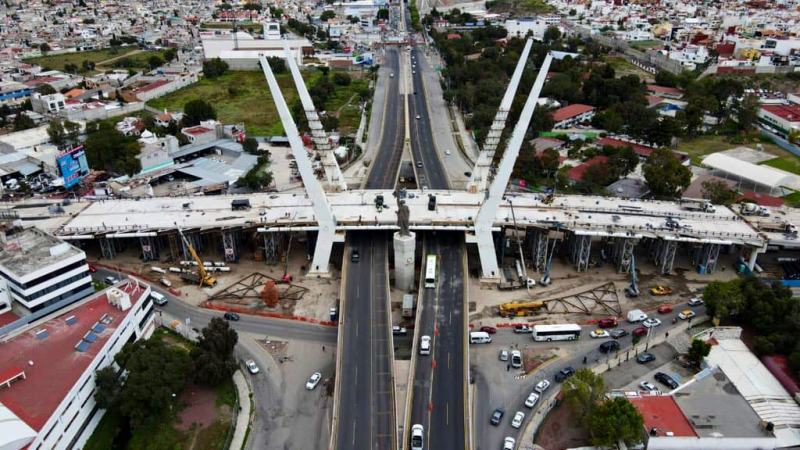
(50, 360)
(197, 130)
(32, 249)
(663, 413)
(571, 111)
(790, 113)
(577, 172)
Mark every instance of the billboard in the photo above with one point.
(73, 166)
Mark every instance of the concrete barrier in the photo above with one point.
(413, 366)
(339, 340)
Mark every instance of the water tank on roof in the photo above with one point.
(59, 249)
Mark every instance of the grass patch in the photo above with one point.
(701, 146)
(793, 199)
(213, 437)
(99, 57)
(226, 393)
(623, 67)
(518, 7)
(257, 27)
(649, 43)
(107, 430)
(789, 164)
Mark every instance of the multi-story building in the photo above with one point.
(13, 92)
(43, 271)
(572, 115)
(783, 119)
(47, 377)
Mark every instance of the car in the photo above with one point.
(251, 366)
(111, 280)
(488, 329)
(418, 117)
(354, 256)
(516, 359)
(660, 290)
(565, 373)
(609, 346)
(497, 416)
(651, 322)
(503, 355)
(686, 314)
(666, 380)
(596, 334)
(532, 399)
(158, 298)
(419, 164)
(313, 381)
(665, 309)
(695, 301)
(639, 331)
(425, 345)
(397, 330)
(541, 386)
(522, 329)
(617, 333)
(509, 443)
(519, 417)
(645, 358)
(231, 316)
(608, 322)
(648, 386)
(417, 436)
(391, 75)
(92, 268)
(448, 152)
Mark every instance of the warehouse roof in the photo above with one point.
(763, 175)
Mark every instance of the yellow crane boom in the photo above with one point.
(205, 278)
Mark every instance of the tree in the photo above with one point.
(58, 135)
(195, 111)
(747, 113)
(44, 48)
(596, 177)
(108, 149)
(170, 54)
(723, 299)
(383, 14)
(214, 68)
(341, 79)
(108, 388)
(155, 375)
(327, 15)
(551, 34)
(549, 160)
(155, 61)
(664, 78)
(23, 122)
(45, 89)
(212, 358)
(583, 392)
(250, 145)
(699, 350)
(277, 64)
(616, 420)
(718, 192)
(87, 65)
(622, 161)
(665, 175)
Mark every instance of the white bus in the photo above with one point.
(430, 272)
(560, 332)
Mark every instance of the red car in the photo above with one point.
(488, 329)
(664, 309)
(92, 268)
(639, 331)
(607, 323)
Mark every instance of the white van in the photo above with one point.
(636, 315)
(158, 299)
(166, 282)
(157, 269)
(479, 337)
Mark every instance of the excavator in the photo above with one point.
(202, 278)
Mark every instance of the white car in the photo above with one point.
(425, 345)
(516, 359)
(417, 435)
(651, 322)
(532, 399)
(695, 301)
(417, 117)
(599, 333)
(686, 314)
(518, 418)
(313, 381)
(542, 386)
(503, 355)
(648, 386)
(252, 367)
(509, 443)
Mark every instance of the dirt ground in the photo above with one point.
(200, 408)
(558, 431)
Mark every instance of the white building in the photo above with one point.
(47, 376)
(51, 103)
(242, 51)
(42, 270)
(155, 151)
(690, 56)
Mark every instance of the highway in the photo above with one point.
(438, 397)
(365, 395)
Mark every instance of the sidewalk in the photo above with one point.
(243, 418)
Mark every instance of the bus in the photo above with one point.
(560, 332)
(430, 272)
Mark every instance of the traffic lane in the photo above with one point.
(268, 326)
(448, 384)
(380, 175)
(382, 373)
(433, 164)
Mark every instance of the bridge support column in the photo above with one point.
(623, 253)
(707, 256)
(272, 247)
(404, 246)
(229, 245)
(149, 248)
(665, 255)
(539, 245)
(751, 261)
(174, 247)
(581, 251)
(107, 248)
(194, 239)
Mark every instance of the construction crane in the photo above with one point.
(633, 289)
(519, 309)
(203, 278)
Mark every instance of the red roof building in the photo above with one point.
(663, 416)
(576, 173)
(762, 199)
(642, 150)
(664, 91)
(572, 115)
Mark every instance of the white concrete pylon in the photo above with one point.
(322, 210)
(333, 173)
(479, 180)
(485, 218)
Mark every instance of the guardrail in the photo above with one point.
(414, 356)
(339, 340)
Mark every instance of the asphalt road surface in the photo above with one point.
(387, 160)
